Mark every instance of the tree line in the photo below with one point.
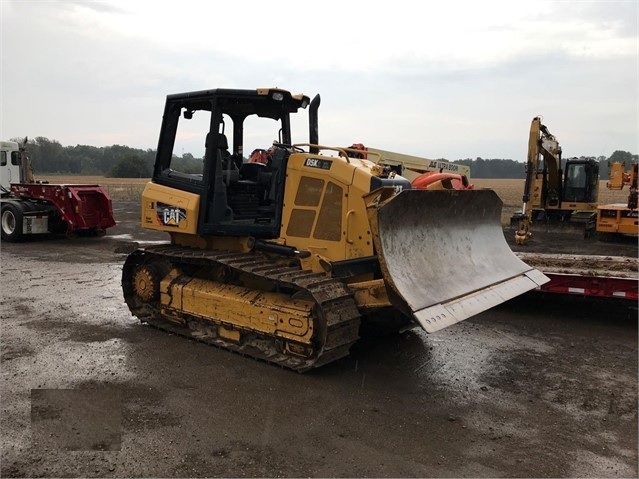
(498, 168)
(118, 161)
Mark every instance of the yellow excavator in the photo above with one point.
(562, 195)
(283, 260)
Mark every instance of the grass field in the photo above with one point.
(510, 191)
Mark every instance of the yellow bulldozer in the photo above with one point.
(284, 259)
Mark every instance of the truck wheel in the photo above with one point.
(11, 222)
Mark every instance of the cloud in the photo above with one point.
(439, 79)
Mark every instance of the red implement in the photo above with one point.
(81, 207)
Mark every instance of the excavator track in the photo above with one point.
(335, 315)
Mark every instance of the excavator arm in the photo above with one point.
(541, 143)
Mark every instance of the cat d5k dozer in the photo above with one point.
(282, 259)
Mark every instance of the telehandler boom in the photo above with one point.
(283, 261)
(423, 173)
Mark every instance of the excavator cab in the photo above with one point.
(581, 177)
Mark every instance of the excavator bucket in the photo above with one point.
(443, 254)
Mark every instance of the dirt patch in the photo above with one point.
(600, 266)
(536, 387)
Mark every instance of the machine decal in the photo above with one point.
(317, 163)
(443, 165)
(170, 215)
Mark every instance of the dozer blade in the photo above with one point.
(443, 254)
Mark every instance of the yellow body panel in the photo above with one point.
(370, 294)
(169, 209)
(237, 307)
(536, 200)
(324, 209)
(359, 240)
(210, 242)
(617, 218)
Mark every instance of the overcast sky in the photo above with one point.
(454, 79)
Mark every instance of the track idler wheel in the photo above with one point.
(141, 277)
(146, 282)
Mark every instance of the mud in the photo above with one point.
(537, 387)
(572, 241)
(569, 252)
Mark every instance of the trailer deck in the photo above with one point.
(587, 275)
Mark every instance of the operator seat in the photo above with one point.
(272, 177)
(230, 171)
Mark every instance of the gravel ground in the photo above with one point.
(537, 387)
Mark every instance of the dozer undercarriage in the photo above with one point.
(245, 302)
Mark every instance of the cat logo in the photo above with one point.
(170, 215)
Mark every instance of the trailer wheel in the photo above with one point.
(11, 222)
